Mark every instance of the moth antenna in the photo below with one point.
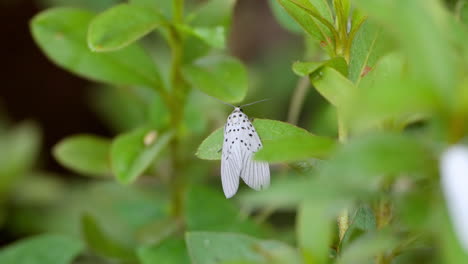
(221, 101)
(255, 102)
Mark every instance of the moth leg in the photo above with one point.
(219, 150)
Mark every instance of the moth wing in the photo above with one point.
(256, 174)
(231, 164)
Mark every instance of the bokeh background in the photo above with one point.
(60, 104)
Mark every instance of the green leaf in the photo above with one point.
(388, 98)
(222, 77)
(212, 13)
(333, 86)
(319, 189)
(213, 36)
(61, 34)
(86, 154)
(463, 12)
(368, 45)
(19, 149)
(101, 244)
(130, 156)
(218, 213)
(365, 161)
(211, 248)
(120, 26)
(366, 248)
(295, 148)
(163, 7)
(283, 18)
(308, 17)
(306, 68)
(314, 232)
(169, 251)
(133, 104)
(266, 129)
(50, 249)
(421, 29)
(362, 222)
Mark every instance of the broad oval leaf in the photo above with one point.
(213, 36)
(131, 155)
(222, 77)
(51, 249)
(61, 34)
(217, 214)
(210, 148)
(212, 13)
(86, 154)
(169, 251)
(121, 25)
(295, 148)
(213, 247)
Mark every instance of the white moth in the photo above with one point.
(241, 141)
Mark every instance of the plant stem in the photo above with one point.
(297, 100)
(178, 98)
(343, 218)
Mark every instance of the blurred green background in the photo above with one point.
(386, 175)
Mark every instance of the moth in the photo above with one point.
(241, 142)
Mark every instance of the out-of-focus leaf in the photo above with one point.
(211, 248)
(130, 156)
(19, 149)
(295, 148)
(421, 29)
(169, 251)
(362, 162)
(124, 210)
(388, 97)
(362, 221)
(366, 248)
(163, 7)
(222, 77)
(266, 129)
(51, 249)
(463, 12)
(213, 36)
(101, 243)
(136, 105)
(120, 26)
(216, 214)
(86, 154)
(85, 4)
(283, 18)
(212, 13)
(61, 34)
(306, 68)
(333, 86)
(319, 189)
(314, 232)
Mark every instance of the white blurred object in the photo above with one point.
(454, 177)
